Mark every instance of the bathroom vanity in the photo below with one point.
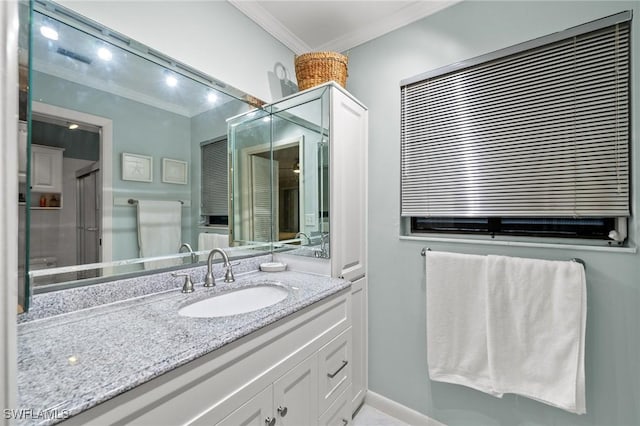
(138, 361)
(118, 351)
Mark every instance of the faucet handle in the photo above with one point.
(188, 284)
(228, 276)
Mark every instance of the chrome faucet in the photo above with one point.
(302, 234)
(323, 246)
(189, 250)
(209, 281)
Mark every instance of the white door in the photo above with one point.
(348, 153)
(256, 411)
(295, 395)
(88, 221)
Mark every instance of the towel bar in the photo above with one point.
(424, 251)
(580, 261)
(134, 201)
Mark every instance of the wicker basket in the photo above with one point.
(316, 68)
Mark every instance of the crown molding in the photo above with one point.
(405, 16)
(270, 24)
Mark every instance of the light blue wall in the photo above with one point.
(139, 129)
(397, 336)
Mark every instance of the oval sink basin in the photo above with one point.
(235, 302)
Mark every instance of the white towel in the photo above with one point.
(208, 241)
(456, 320)
(536, 317)
(159, 230)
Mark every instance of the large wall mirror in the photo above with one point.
(125, 160)
(114, 124)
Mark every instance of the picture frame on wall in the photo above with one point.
(175, 171)
(137, 167)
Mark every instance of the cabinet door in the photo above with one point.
(46, 169)
(295, 395)
(256, 412)
(348, 186)
(359, 331)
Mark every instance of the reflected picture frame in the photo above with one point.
(137, 167)
(175, 171)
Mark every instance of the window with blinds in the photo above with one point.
(538, 130)
(214, 185)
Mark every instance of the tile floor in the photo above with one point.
(369, 416)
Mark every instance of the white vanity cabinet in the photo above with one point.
(348, 187)
(270, 377)
(348, 192)
(319, 384)
(292, 400)
(359, 341)
(332, 126)
(46, 169)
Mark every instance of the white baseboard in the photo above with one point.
(399, 411)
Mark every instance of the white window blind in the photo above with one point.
(540, 132)
(215, 186)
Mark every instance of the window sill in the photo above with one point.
(608, 249)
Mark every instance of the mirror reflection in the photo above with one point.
(113, 132)
(280, 176)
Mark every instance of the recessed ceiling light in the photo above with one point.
(104, 54)
(73, 126)
(49, 32)
(212, 97)
(171, 81)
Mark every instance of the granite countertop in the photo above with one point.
(70, 362)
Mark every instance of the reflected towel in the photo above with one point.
(456, 320)
(208, 241)
(536, 317)
(159, 230)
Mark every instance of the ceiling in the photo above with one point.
(74, 56)
(318, 25)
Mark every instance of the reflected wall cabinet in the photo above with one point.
(46, 177)
(46, 169)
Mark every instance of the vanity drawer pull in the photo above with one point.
(344, 364)
(282, 411)
(270, 421)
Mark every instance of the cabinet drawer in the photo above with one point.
(339, 413)
(334, 368)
